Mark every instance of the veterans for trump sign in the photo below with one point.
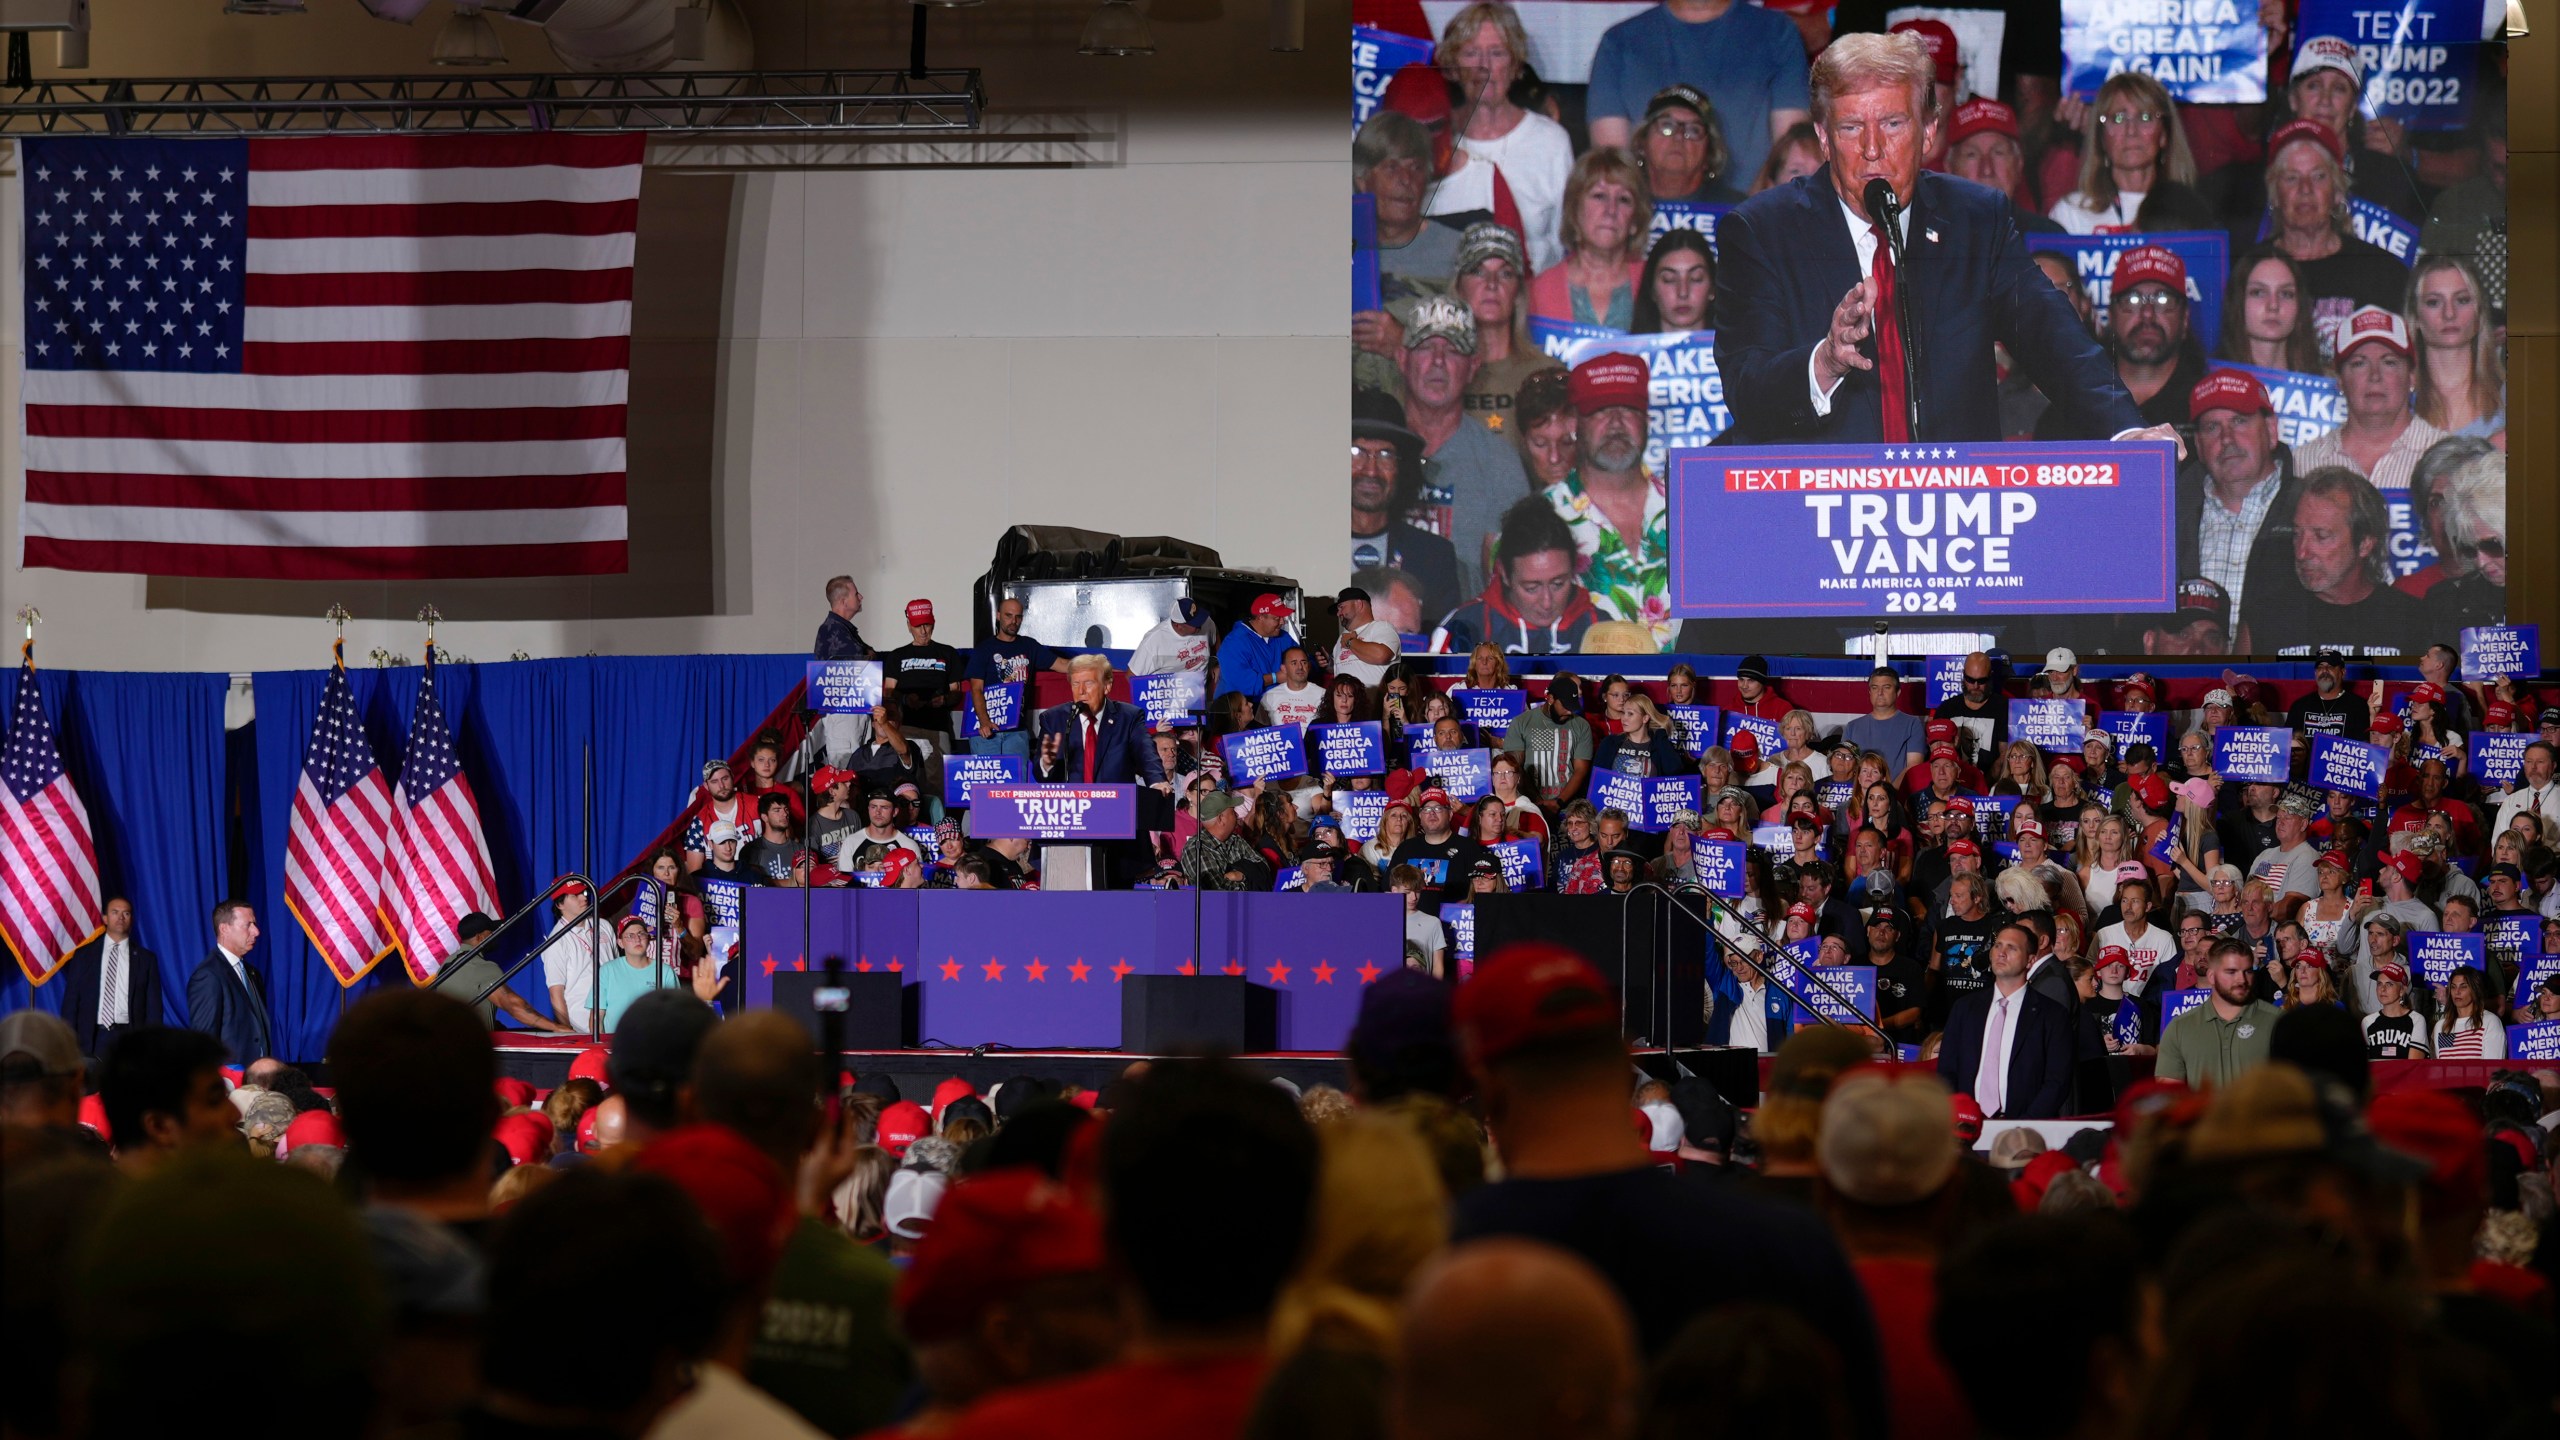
(1893, 530)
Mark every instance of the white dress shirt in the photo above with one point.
(1999, 1031)
(2542, 800)
(115, 982)
(1862, 234)
(240, 968)
(1751, 1019)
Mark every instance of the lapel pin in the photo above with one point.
(1931, 235)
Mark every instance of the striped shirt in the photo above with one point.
(2391, 472)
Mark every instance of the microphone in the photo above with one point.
(1881, 201)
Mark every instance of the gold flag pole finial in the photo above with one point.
(338, 615)
(428, 615)
(28, 616)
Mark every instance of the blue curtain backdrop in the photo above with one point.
(526, 732)
(146, 754)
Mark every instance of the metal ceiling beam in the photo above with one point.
(770, 102)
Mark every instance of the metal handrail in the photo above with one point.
(1770, 944)
(594, 917)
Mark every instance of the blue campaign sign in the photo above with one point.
(1055, 812)
(1855, 1001)
(963, 774)
(1355, 749)
(1721, 865)
(1004, 706)
(2491, 652)
(1665, 797)
(2436, 954)
(1670, 215)
(1460, 921)
(2203, 52)
(2420, 56)
(1359, 810)
(1521, 867)
(1778, 840)
(2510, 937)
(1696, 727)
(2534, 1040)
(1763, 730)
(2338, 763)
(844, 687)
(1367, 291)
(2253, 753)
(1685, 406)
(1376, 56)
(1833, 794)
(1174, 699)
(1946, 679)
(2165, 849)
(1991, 816)
(1273, 753)
(1466, 774)
(2497, 758)
(1622, 793)
(1490, 712)
(2534, 968)
(2137, 727)
(2054, 726)
(2206, 254)
(2174, 1003)
(2306, 405)
(1417, 738)
(1841, 531)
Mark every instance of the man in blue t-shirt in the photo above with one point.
(1902, 739)
(1750, 61)
(1249, 658)
(1011, 658)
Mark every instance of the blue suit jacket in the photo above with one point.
(1123, 754)
(220, 1006)
(2039, 1080)
(1785, 259)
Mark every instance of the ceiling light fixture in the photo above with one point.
(1117, 27)
(468, 38)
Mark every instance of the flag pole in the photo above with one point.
(338, 615)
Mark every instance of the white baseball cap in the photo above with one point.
(913, 1197)
(2328, 52)
(721, 830)
(2058, 658)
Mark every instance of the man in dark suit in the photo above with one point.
(2012, 1021)
(1806, 333)
(1096, 740)
(110, 984)
(226, 998)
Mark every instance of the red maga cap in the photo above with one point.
(2230, 390)
(919, 612)
(1963, 846)
(2150, 264)
(2311, 130)
(1606, 381)
(593, 1063)
(1527, 992)
(900, 1126)
(2427, 691)
(1940, 730)
(1943, 52)
(1981, 115)
(1270, 604)
(311, 1127)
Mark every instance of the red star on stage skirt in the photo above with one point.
(1077, 971)
(1036, 970)
(994, 969)
(1120, 969)
(1322, 972)
(1369, 974)
(950, 969)
(1278, 972)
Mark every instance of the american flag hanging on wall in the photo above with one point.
(333, 849)
(48, 864)
(439, 859)
(331, 357)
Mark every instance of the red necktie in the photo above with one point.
(1092, 732)
(1897, 411)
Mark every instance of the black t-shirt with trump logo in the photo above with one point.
(2395, 1037)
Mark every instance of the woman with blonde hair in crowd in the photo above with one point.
(1483, 50)
(2266, 314)
(2021, 773)
(1487, 670)
(2474, 502)
(1380, 1212)
(2462, 373)
(862, 1200)
(2137, 143)
(2311, 982)
(1606, 221)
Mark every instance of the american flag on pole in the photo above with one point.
(328, 357)
(439, 859)
(49, 904)
(333, 850)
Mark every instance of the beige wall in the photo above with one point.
(869, 368)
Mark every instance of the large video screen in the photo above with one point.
(2164, 327)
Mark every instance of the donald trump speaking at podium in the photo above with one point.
(1807, 335)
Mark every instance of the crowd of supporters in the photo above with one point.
(1496, 1224)
(1506, 205)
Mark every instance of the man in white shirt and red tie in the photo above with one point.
(110, 984)
(2536, 790)
(2009, 1046)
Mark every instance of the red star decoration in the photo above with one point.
(950, 969)
(1120, 970)
(1077, 971)
(1369, 974)
(1186, 967)
(801, 964)
(1278, 972)
(1232, 968)
(862, 965)
(771, 964)
(1322, 972)
(994, 969)
(1036, 970)
(897, 965)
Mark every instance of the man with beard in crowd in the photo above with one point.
(2157, 359)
